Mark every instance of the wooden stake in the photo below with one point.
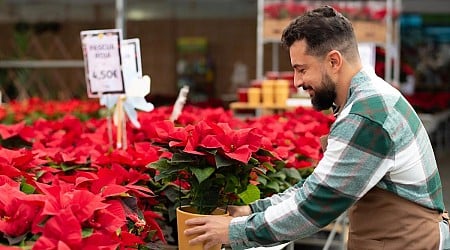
(119, 110)
(124, 125)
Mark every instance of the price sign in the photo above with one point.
(103, 62)
(131, 57)
(131, 64)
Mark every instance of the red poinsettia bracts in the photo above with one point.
(63, 185)
(372, 10)
(18, 211)
(236, 144)
(62, 195)
(62, 231)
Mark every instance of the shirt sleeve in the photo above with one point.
(358, 155)
(263, 204)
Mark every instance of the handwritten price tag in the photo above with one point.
(105, 74)
(103, 62)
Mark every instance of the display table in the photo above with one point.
(264, 109)
(260, 109)
(285, 246)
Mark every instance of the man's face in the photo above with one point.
(310, 74)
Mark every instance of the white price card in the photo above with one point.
(131, 63)
(103, 61)
(131, 57)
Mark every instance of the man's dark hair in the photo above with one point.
(323, 29)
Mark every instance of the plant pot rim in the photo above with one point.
(188, 209)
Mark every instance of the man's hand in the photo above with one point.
(209, 230)
(237, 211)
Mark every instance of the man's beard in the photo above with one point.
(324, 96)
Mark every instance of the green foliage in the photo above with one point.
(208, 184)
(26, 188)
(279, 179)
(14, 142)
(250, 195)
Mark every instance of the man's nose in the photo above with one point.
(298, 81)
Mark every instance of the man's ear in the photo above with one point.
(335, 60)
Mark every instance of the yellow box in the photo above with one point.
(267, 91)
(254, 96)
(281, 96)
(282, 84)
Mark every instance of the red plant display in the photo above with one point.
(62, 186)
(368, 10)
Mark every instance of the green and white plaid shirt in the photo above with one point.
(377, 140)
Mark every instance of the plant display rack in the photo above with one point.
(384, 33)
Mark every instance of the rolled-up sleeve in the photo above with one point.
(349, 168)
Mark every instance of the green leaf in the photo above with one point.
(250, 195)
(269, 166)
(280, 164)
(253, 161)
(86, 169)
(160, 164)
(211, 151)
(292, 173)
(27, 188)
(222, 161)
(305, 172)
(280, 175)
(182, 158)
(265, 152)
(260, 170)
(202, 173)
(262, 180)
(67, 168)
(166, 170)
(39, 174)
(232, 183)
(273, 185)
(169, 174)
(86, 232)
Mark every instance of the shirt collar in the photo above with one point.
(357, 80)
(336, 109)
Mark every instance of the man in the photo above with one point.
(378, 163)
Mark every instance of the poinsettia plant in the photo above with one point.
(63, 186)
(211, 164)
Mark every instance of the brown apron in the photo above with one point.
(384, 220)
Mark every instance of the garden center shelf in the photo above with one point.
(266, 109)
(260, 109)
(384, 32)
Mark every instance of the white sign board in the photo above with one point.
(367, 53)
(102, 61)
(131, 61)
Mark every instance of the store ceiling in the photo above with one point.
(64, 10)
(61, 10)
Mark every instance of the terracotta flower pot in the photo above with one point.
(184, 213)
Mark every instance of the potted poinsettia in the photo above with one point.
(211, 165)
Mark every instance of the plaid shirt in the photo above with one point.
(376, 140)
